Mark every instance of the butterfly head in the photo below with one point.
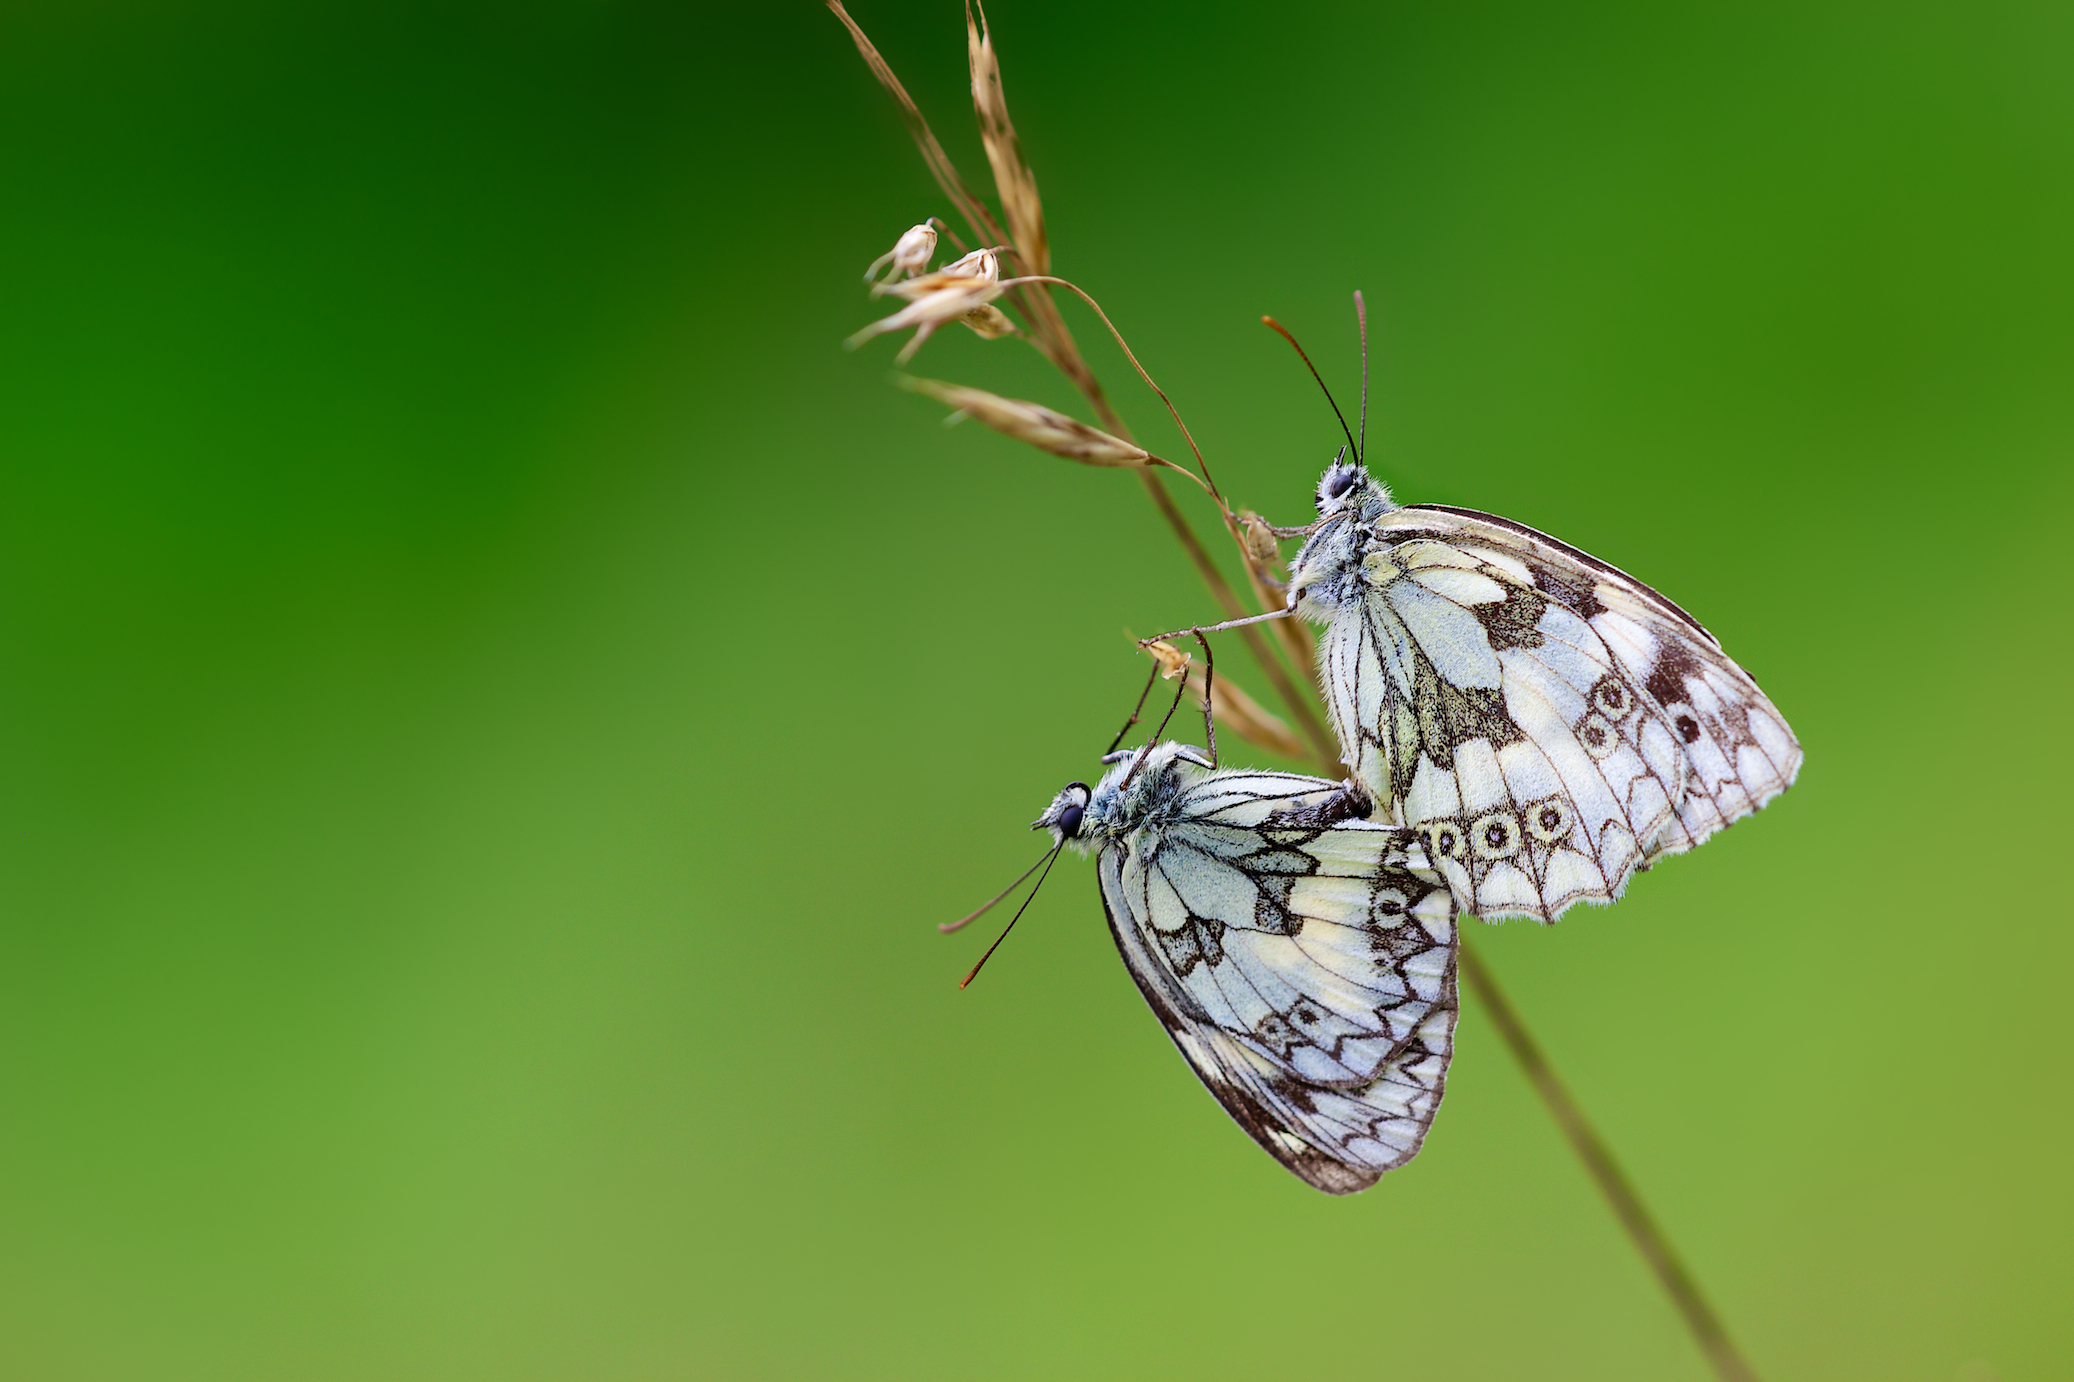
(1333, 486)
(1347, 487)
(1066, 817)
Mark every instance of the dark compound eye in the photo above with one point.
(1337, 481)
(1069, 822)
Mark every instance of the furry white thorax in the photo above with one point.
(1112, 809)
(1327, 574)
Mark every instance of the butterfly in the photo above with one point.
(1548, 724)
(1301, 959)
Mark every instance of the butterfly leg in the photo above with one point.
(1136, 710)
(1146, 752)
(1209, 696)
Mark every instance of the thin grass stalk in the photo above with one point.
(1640, 1225)
(940, 165)
(1046, 328)
(1299, 704)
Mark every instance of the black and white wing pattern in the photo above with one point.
(1302, 962)
(1547, 722)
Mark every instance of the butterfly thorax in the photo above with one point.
(1123, 803)
(1131, 797)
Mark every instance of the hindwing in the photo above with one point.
(1303, 965)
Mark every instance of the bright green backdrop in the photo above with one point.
(493, 700)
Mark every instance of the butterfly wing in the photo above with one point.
(1548, 722)
(1305, 971)
(1739, 751)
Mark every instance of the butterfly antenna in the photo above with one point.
(1048, 861)
(1134, 715)
(1361, 317)
(1270, 321)
(962, 922)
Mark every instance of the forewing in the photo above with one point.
(1306, 972)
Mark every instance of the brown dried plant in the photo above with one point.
(1030, 296)
(968, 291)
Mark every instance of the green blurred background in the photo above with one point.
(493, 699)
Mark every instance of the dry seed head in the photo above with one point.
(1172, 661)
(909, 256)
(1034, 423)
(990, 322)
(980, 266)
(1013, 180)
(932, 300)
(1259, 538)
(939, 162)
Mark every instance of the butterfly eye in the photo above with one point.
(1337, 481)
(1069, 822)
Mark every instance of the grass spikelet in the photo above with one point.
(1042, 427)
(909, 256)
(1014, 183)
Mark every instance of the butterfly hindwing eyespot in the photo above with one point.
(1612, 698)
(1495, 836)
(1597, 734)
(1549, 821)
